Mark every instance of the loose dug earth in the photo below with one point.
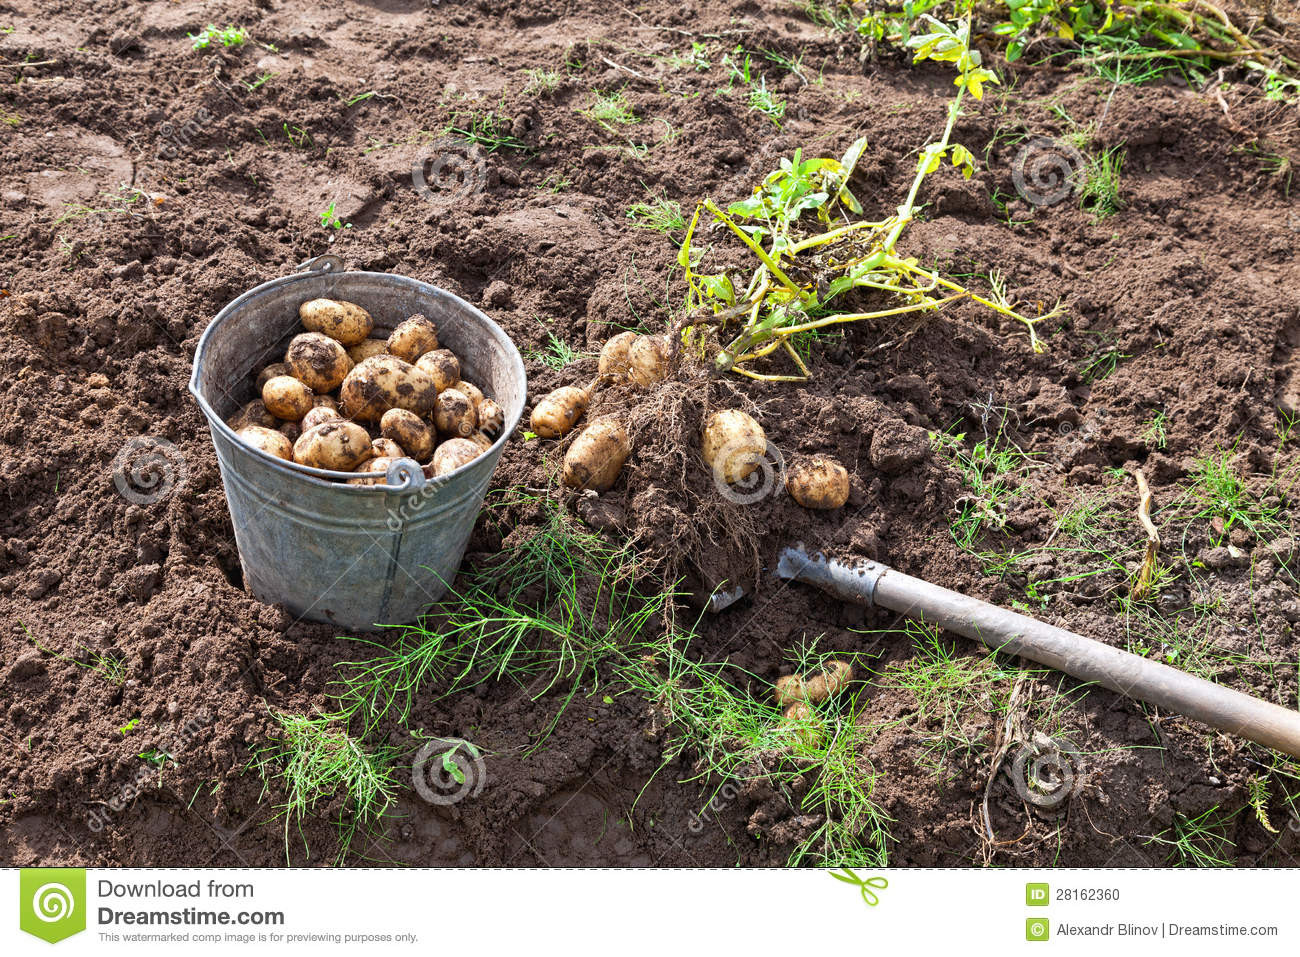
(127, 636)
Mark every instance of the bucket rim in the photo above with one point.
(328, 478)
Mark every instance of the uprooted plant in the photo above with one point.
(811, 252)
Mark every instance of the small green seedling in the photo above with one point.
(228, 37)
(330, 219)
(610, 110)
(129, 726)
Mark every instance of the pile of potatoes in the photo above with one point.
(733, 443)
(347, 401)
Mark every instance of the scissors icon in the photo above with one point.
(863, 884)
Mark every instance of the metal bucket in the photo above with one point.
(357, 557)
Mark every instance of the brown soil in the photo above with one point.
(1194, 282)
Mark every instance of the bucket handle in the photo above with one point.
(324, 263)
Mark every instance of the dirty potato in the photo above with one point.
(345, 322)
(819, 483)
(442, 366)
(387, 448)
(491, 417)
(454, 414)
(596, 456)
(733, 445)
(558, 411)
(834, 678)
(790, 689)
(385, 382)
(366, 348)
(614, 354)
(287, 398)
(316, 360)
(269, 441)
(291, 431)
(327, 401)
(452, 454)
(380, 463)
(408, 431)
(338, 445)
(270, 372)
(412, 338)
(318, 416)
(253, 413)
(648, 360)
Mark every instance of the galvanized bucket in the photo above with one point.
(357, 557)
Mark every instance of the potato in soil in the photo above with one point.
(385, 382)
(408, 431)
(596, 456)
(733, 445)
(454, 415)
(648, 360)
(412, 338)
(818, 483)
(337, 445)
(316, 360)
(558, 411)
(833, 678)
(789, 689)
(452, 454)
(270, 441)
(345, 322)
(442, 367)
(287, 398)
(613, 354)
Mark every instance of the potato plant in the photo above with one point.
(811, 251)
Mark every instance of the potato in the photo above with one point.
(324, 401)
(558, 411)
(833, 679)
(318, 416)
(613, 354)
(385, 382)
(452, 454)
(377, 464)
(317, 361)
(790, 689)
(647, 359)
(287, 398)
(442, 366)
(454, 414)
(412, 338)
(808, 729)
(733, 445)
(470, 389)
(345, 322)
(338, 445)
(366, 348)
(819, 482)
(254, 413)
(408, 431)
(483, 441)
(270, 372)
(291, 431)
(387, 448)
(597, 455)
(268, 440)
(491, 417)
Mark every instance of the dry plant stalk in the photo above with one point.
(1143, 583)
